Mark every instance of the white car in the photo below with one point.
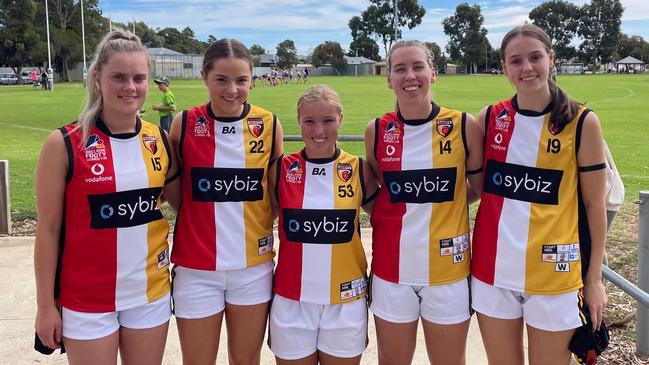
(8, 79)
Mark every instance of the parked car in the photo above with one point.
(27, 77)
(8, 79)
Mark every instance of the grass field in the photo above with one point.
(26, 116)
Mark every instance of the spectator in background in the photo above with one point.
(167, 105)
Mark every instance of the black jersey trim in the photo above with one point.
(376, 136)
(433, 114)
(473, 172)
(68, 148)
(172, 177)
(278, 173)
(486, 124)
(320, 161)
(183, 131)
(371, 197)
(463, 132)
(530, 113)
(272, 143)
(244, 113)
(590, 168)
(580, 126)
(165, 141)
(101, 125)
(361, 176)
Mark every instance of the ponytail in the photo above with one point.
(564, 109)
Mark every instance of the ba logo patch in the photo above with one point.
(255, 126)
(294, 172)
(344, 171)
(150, 142)
(444, 126)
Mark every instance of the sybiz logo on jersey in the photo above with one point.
(222, 184)
(201, 127)
(255, 126)
(392, 133)
(95, 149)
(421, 186)
(344, 171)
(319, 225)
(444, 126)
(124, 208)
(150, 143)
(294, 172)
(524, 183)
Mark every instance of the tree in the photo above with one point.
(378, 20)
(439, 59)
(634, 46)
(364, 46)
(172, 38)
(328, 53)
(286, 54)
(560, 20)
(467, 37)
(148, 36)
(211, 40)
(600, 30)
(256, 51)
(19, 36)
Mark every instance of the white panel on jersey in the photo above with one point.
(230, 224)
(514, 218)
(414, 252)
(316, 258)
(132, 247)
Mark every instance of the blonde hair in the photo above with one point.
(317, 93)
(409, 43)
(116, 41)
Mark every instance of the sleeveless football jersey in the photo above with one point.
(321, 259)
(115, 251)
(225, 220)
(526, 235)
(420, 221)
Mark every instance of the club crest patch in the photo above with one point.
(444, 126)
(344, 171)
(150, 143)
(255, 126)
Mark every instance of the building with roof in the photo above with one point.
(630, 64)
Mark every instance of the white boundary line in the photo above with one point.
(24, 127)
(629, 95)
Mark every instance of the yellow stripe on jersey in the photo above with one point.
(348, 264)
(556, 225)
(257, 215)
(449, 220)
(156, 161)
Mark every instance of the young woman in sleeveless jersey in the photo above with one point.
(319, 311)
(541, 226)
(101, 248)
(223, 239)
(422, 154)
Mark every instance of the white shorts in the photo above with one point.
(559, 312)
(299, 329)
(403, 303)
(91, 326)
(201, 293)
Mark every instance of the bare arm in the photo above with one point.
(272, 180)
(50, 193)
(171, 190)
(371, 187)
(475, 141)
(369, 150)
(592, 184)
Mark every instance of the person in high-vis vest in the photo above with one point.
(540, 229)
(223, 240)
(319, 311)
(101, 255)
(422, 154)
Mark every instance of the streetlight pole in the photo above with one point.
(50, 74)
(83, 39)
(396, 21)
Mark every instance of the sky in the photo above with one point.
(312, 22)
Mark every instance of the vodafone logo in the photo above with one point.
(97, 169)
(389, 150)
(498, 138)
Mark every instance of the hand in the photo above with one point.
(154, 106)
(48, 327)
(596, 299)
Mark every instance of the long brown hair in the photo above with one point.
(564, 108)
(224, 48)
